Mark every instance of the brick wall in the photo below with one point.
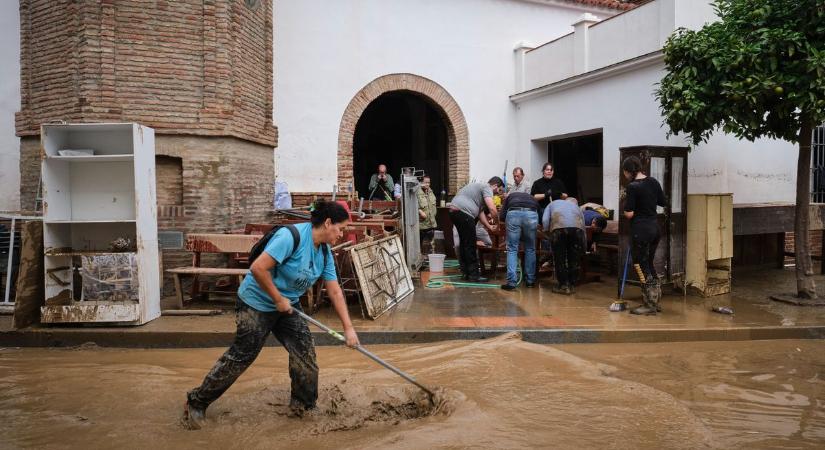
(225, 183)
(814, 242)
(198, 72)
(182, 67)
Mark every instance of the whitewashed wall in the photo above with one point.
(326, 51)
(9, 104)
(625, 108)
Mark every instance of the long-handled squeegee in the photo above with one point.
(367, 353)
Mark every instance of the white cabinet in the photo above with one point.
(710, 243)
(98, 184)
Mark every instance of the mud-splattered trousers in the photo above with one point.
(253, 328)
(644, 240)
(568, 247)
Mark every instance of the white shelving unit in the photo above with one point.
(89, 201)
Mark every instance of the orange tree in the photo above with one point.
(757, 72)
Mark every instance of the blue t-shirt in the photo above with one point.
(294, 276)
(589, 216)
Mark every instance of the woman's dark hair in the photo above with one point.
(324, 210)
(600, 222)
(632, 164)
(496, 181)
(545, 165)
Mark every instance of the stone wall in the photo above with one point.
(225, 183)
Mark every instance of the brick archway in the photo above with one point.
(458, 145)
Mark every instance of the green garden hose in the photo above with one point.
(438, 282)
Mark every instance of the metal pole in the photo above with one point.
(8, 267)
(364, 351)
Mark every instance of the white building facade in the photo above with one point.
(602, 78)
(480, 65)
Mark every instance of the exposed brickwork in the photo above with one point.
(458, 145)
(29, 171)
(226, 183)
(169, 182)
(814, 243)
(182, 67)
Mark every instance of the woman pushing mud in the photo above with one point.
(290, 263)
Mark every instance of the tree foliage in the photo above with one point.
(757, 72)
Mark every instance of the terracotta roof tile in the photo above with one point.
(615, 4)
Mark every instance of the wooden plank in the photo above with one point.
(207, 271)
(29, 291)
(220, 243)
(712, 222)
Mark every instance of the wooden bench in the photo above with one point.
(199, 243)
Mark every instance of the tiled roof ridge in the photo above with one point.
(614, 4)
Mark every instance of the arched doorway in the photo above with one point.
(400, 129)
(400, 120)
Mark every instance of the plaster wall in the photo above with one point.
(325, 52)
(624, 108)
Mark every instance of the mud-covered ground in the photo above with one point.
(500, 393)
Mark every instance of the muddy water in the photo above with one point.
(502, 393)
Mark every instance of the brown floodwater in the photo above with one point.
(499, 393)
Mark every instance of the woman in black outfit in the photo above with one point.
(643, 194)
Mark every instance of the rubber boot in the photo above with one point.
(648, 308)
(194, 418)
(658, 294)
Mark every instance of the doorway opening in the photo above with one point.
(400, 129)
(578, 162)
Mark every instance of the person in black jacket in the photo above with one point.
(547, 188)
(643, 194)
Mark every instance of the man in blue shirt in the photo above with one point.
(267, 296)
(520, 214)
(565, 222)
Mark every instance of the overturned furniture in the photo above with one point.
(199, 243)
(99, 224)
(383, 274)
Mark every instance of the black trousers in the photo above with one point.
(643, 250)
(467, 253)
(253, 328)
(568, 248)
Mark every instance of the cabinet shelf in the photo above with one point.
(69, 252)
(92, 158)
(47, 222)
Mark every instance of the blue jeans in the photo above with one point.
(521, 227)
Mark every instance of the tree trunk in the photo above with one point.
(805, 286)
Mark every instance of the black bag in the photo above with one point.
(259, 246)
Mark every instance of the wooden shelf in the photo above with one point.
(48, 222)
(92, 158)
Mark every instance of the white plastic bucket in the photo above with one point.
(436, 262)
